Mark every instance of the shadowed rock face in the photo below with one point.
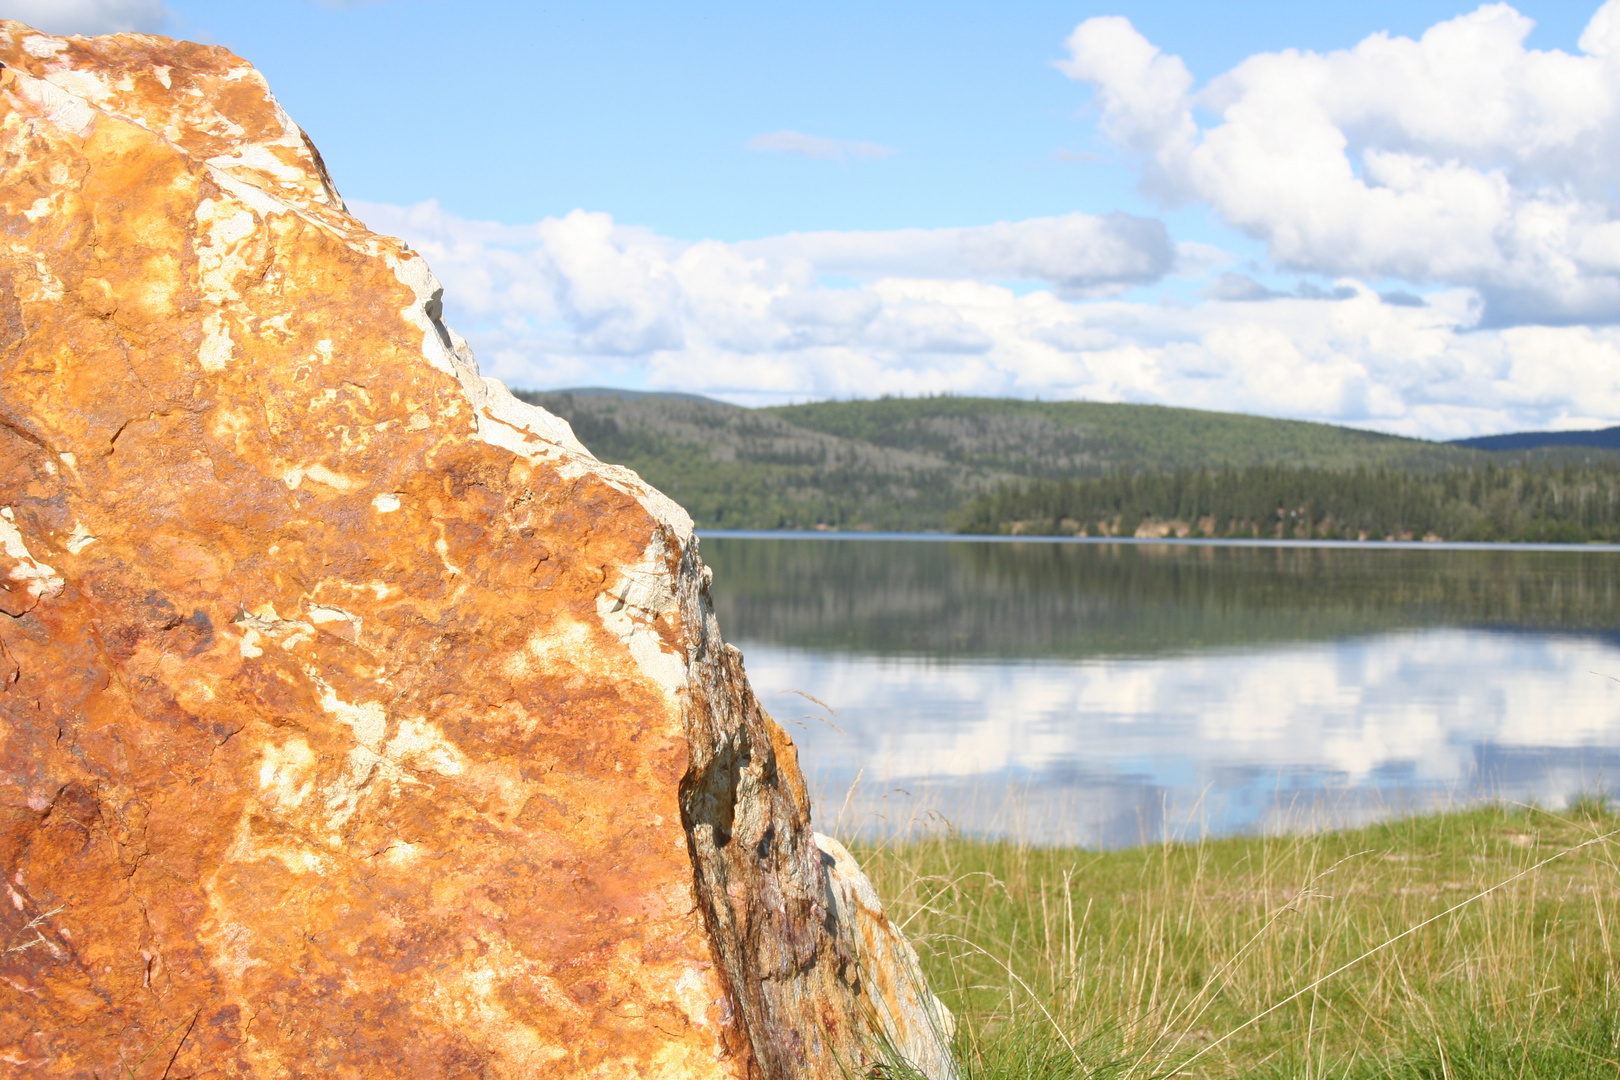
(354, 720)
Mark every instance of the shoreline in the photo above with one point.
(1234, 542)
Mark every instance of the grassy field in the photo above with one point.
(1443, 946)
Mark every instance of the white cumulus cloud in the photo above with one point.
(1460, 158)
(583, 300)
(87, 16)
(816, 146)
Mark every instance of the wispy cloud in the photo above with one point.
(1080, 254)
(87, 16)
(815, 146)
(1238, 288)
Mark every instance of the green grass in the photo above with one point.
(1217, 958)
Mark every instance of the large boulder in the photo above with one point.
(354, 720)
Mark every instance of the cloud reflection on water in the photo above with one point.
(1112, 751)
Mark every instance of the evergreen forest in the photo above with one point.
(1568, 503)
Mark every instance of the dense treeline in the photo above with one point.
(1568, 504)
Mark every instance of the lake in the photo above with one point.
(1109, 694)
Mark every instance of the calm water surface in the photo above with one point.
(1109, 694)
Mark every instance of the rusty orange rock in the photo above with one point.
(354, 720)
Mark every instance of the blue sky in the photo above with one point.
(766, 203)
(513, 112)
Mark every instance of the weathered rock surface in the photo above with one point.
(354, 720)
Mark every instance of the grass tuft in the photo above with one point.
(1590, 806)
(1219, 958)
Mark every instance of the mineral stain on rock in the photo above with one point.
(354, 720)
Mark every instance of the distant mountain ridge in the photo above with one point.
(914, 463)
(1602, 438)
(628, 395)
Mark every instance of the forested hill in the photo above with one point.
(1608, 438)
(736, 468)
(1086, 438)
(915, 463)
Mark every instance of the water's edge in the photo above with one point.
(1358, 545)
